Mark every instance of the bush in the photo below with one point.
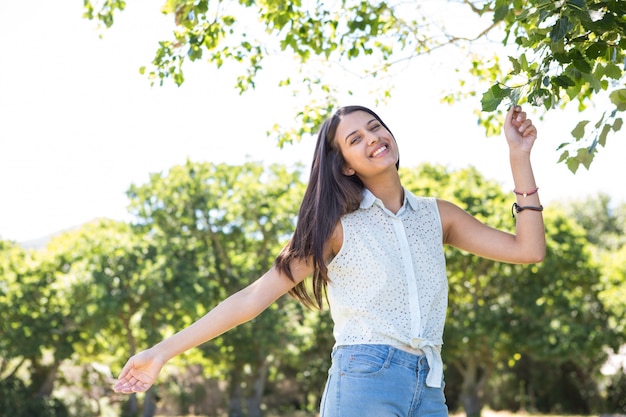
(17, 401)
(616, 394)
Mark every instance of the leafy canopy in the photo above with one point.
(560, 52)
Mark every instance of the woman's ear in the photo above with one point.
(348, 172)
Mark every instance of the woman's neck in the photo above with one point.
(390, 192)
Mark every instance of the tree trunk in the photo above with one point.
(474, 378)
(131, 408)
(149, 403)
(471, 401)
(235, 397)
(42, 377)
(253, 403)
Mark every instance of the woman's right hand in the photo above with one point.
(139, 373)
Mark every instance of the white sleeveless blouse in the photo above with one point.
(388, 281)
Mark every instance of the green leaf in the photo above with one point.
(585, 157)
(564, 81)
(560, 29)
(596, 50)
(618, 97)
(573, 164)
(493, 97)
(581, 64)
(613, 71)
(577, 3)
(603, 135)
(517, 67)
(579, 130)
(500, 13)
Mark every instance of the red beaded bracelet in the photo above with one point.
(527, 193)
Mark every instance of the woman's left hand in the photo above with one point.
(519, 131)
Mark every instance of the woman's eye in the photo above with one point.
(355, 139)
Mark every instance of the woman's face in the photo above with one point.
(368, 148)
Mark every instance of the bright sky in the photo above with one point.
(78, 124)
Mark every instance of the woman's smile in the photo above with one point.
(379, 151)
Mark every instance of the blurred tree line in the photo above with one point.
(521, 338)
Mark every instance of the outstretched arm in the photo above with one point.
(528, 244)
(141, 370)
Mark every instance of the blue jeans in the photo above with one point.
(380, 381)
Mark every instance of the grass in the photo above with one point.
(485, 413)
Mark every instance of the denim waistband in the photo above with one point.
(391, 353)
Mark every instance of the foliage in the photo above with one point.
(218, 227)
(36, 313)
(617, 393)
(17, 401)
(604, 224)
(614, 290)
(560, 52)
(605, 229)
(568, 50)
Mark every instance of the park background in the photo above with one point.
(79, 125)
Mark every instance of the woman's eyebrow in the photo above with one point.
(366, 124)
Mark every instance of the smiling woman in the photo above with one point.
(375, 251)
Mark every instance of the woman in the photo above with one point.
(376, 252)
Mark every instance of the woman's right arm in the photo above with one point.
(141, 370)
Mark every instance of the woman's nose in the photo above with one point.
(372, 138)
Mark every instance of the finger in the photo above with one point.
(138, 387)
(524, 125)
(509, 116)
(125, 382)
(529, 131)
(123, 374)
(121, 386)
(127, 387)
(126, 369)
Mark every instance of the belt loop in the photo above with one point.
(391, 351)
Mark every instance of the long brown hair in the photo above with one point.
(329, 195)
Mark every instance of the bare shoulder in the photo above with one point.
(452, 215)
(445, 206)
(447, 210)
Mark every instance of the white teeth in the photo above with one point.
(379, 150)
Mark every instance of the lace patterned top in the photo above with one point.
(388, 281)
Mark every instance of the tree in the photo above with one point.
(603, 222)
(561, 322)
(605, 228)
(13, 261)
(74, 297)
(37, 334)
(561, 52)
(107, 270)
(216, 229)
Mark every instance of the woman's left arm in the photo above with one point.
(528, 244)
